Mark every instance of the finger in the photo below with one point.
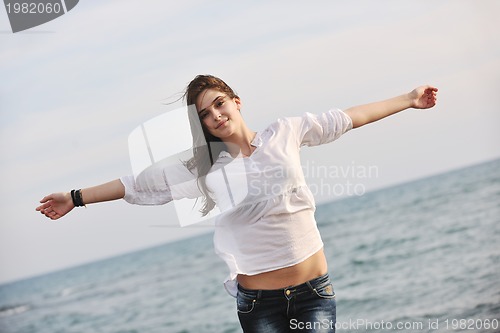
(46, 215)
(44, 206)
(46, 198)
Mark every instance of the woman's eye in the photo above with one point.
(203, 115)
(220, 103)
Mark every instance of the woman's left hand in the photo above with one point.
(423, 97)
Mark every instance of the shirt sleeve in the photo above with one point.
(317, 129)
(160, 184)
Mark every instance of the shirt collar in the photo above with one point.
(256, 142)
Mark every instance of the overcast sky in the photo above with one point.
(72, 90)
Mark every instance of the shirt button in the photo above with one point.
(288, 292)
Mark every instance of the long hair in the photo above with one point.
(206, 147)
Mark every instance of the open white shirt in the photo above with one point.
(267, 211)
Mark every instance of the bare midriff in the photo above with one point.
(311, 268)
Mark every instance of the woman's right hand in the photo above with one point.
(56, 205)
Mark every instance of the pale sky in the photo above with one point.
(73, 89)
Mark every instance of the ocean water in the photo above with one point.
(419, 257)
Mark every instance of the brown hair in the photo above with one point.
(206, 147)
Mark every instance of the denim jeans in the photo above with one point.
(309, 307)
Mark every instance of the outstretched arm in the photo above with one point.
(56, 205)
(423, 97)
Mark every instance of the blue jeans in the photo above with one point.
(309, 307)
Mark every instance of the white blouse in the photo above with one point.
(266, 211)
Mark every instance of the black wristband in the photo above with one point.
(78, 198)
(73, 198)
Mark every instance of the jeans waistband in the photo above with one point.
(304, 287)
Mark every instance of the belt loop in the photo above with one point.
(309, 285)
(259, 294)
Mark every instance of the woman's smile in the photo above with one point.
(221, 123)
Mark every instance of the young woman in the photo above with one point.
(266, 231)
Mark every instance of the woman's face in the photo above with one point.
(219, 113)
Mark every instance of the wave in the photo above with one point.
(10, 310)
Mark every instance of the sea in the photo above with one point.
(423, 256)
